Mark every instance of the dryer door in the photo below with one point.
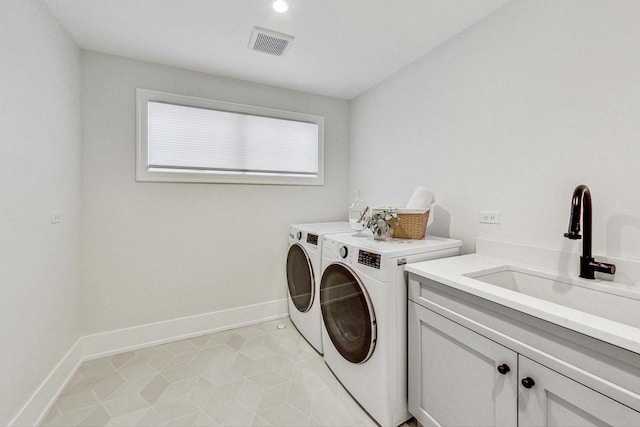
(302, 284)
(347, 313)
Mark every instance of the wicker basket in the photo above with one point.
(411, 225)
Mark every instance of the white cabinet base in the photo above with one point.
(458, 341)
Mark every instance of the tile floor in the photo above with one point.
(252, 376)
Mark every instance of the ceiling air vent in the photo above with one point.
(271, 42)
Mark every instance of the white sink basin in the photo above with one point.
(594, 297)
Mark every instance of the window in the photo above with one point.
(187, 139)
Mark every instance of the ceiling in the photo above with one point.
(341, 47)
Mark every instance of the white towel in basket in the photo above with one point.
(421, 199)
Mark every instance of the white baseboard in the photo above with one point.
(113, 342)
(45, 396)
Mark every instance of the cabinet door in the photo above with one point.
(453, 374)
(556, 400)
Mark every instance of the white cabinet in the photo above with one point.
(461, 376)
(556, 400)
(453, 374)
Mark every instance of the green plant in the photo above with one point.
(381, 222)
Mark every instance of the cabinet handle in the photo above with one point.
(503, 369)
(528, 382)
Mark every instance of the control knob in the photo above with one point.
(299, 235)
(343, 252)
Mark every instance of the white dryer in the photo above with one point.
(363, 299)
(303, 276)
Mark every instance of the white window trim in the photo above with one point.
(143, 96)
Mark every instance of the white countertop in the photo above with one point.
(452, 271)
(395, 247)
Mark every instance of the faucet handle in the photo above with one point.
(603, 267)
(588, 267)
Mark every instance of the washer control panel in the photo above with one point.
(312, 239)
(369, 259)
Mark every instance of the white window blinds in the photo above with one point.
(211, 141)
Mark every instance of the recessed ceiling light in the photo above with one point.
(280, 6)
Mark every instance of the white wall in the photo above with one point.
(156, 251)
(39, 172)
(511, 115)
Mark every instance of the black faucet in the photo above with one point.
(588, 265)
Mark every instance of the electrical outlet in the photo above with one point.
(490, 217)
(56, 217)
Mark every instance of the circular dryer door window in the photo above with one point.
(347, 313)
(300, 278)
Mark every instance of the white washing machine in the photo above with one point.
(363, 299)
(303, 276)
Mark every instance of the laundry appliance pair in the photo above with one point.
(359, 290)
